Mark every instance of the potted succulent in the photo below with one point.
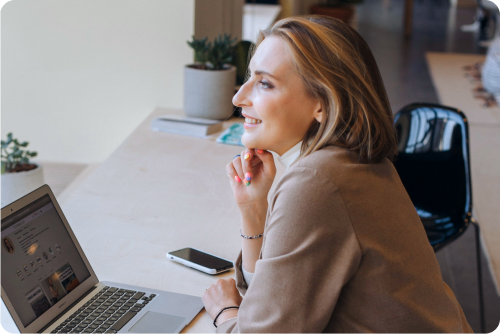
(339, 9)
(19, 176)
(209, 83)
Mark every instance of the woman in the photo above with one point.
(340, 248)
(8, 245)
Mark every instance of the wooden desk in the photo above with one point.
(156, 193)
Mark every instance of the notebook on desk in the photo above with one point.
(184, 125)
(232, 135)
(48, 284)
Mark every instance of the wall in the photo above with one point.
(214, 17)
(297, 7)
(286, 8)
(79, 75)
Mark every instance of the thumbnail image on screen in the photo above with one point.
(40, 261)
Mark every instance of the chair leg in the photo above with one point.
(479, 275)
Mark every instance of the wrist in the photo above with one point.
(225, 316)
(253, 218)
(253, 206)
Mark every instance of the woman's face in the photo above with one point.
(276, 95)
(7, 243)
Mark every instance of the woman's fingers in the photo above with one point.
(231, 172)
(246, 158)
(237, 167)
(268, 161)
(242, 166)
(221, 294)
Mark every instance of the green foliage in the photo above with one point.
(16, 156)
(212, 56)
(200, 48)
(240, 60)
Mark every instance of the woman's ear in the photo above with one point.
(318, 112)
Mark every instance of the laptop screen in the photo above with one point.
(40, 262)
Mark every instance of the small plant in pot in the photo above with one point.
(19, 175)
(209, 83)
(339, 9)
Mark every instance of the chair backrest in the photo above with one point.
(433, 164)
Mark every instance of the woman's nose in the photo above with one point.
(240, 99)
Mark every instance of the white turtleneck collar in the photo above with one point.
(290, 156)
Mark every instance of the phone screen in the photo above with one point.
(201, 258)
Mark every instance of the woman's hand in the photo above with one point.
(251, 178)
(219, 295)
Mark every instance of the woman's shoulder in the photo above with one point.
(342, 166)
(313, 178)
(327, 157)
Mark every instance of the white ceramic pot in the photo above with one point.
(17, 185)
(208, 94)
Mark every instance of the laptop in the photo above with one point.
(49, 286)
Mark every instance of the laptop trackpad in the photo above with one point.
(153, 322)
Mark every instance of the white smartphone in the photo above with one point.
(196, 259)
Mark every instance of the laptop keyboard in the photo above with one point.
(107, 312)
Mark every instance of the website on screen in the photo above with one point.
(40, 262)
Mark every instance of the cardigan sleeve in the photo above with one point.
(310, 251)
(247, 276)
(241, 283)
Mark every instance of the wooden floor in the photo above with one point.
(402, 62)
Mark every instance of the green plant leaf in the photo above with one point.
(10, 160)
(4, 165)
(201, 49)
(213, 55)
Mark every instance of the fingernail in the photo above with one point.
(260, 151)
(247, 183)
(237, 178)
(247, 156)
(248, 176)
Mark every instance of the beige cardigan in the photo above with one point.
(344, 251)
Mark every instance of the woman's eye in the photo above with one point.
(265, 85)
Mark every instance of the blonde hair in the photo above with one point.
(338, 68)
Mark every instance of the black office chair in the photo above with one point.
(434, 165)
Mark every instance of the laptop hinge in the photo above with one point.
(68, 309)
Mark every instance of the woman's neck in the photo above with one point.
(291, 155)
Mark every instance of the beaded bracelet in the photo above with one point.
(254, 237)
(222, 310)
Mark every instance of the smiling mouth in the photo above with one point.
(249, 120)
